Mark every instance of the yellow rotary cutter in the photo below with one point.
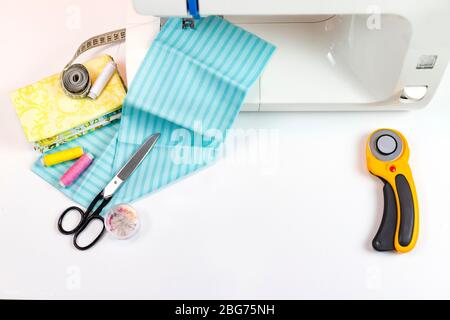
(387, 158)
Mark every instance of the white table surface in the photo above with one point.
(295, 223)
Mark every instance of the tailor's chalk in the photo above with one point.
(62, 156)
(76, 170)
(102, 80)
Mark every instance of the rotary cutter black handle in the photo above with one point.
(407, 214)
(385, 238)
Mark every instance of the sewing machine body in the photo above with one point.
(331, 55)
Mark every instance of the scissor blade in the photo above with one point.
(137, 158)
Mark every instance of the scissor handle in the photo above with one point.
(83, 227)
(82, 214)
(92, 213)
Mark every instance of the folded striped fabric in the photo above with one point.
(190, 88)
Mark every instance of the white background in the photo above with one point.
(295, 223)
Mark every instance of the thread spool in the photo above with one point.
(75, 80)
(61, 156)
(102, 80)
(76, 170)
(122, 221)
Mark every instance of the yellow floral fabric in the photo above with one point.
(45, 111)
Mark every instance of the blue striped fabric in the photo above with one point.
(190, 88)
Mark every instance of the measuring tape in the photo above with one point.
(75, 79)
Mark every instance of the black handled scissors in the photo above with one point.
(93, 212)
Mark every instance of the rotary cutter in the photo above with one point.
(387, 158)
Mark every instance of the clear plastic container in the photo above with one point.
(122, 221)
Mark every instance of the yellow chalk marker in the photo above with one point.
(62, 156)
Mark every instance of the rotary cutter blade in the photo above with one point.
(387, 155)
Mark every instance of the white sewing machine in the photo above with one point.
(331, 54)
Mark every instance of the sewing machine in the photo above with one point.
(331, 55)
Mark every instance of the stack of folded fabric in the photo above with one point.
(51, 118)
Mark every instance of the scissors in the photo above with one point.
(94, 210)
